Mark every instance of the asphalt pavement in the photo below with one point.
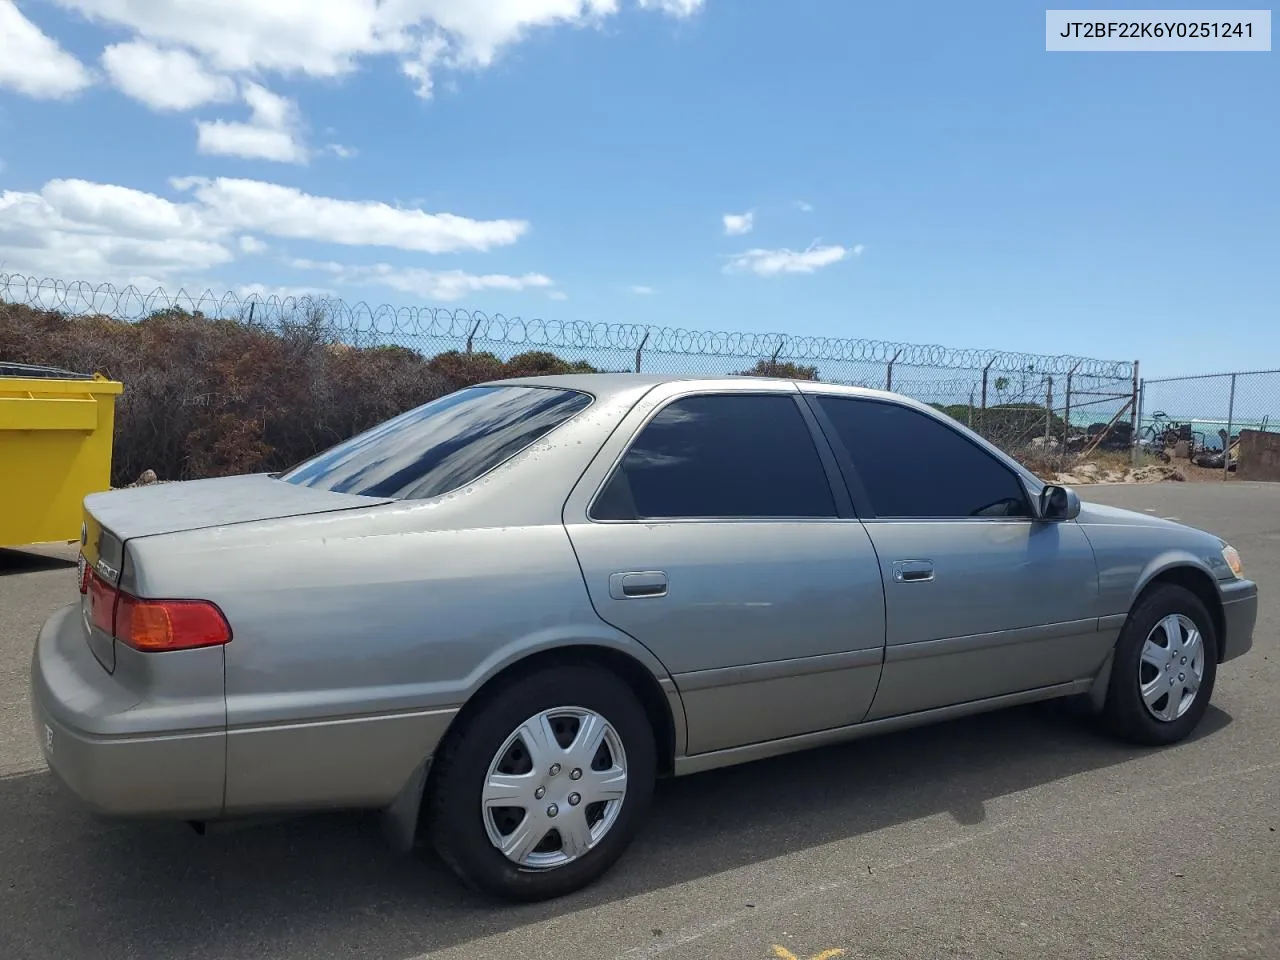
(1022, 833)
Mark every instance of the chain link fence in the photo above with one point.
(1039, 408)
(1198, 419)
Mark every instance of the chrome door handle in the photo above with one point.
(912, 571)
(633, 586)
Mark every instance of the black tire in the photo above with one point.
(453, 803)
(1124, 715)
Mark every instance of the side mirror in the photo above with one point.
(1059, 503)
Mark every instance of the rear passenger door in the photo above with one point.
(713, 527)
(981, 598)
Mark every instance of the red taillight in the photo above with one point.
(102, 602)
(155, 625)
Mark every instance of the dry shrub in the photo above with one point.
(206, 397)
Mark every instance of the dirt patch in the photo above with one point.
(1088, 472)
(1105, 467)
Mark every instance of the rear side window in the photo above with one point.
(441, 445)
(734, 455)
(913, 465)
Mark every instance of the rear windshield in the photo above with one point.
(442, 445)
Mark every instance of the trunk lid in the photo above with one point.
(113, 518)
(197, 504)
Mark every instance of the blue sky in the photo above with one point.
(914, 172)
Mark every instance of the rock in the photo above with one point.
(146, 478)
(1154, 474)
(1088, 469)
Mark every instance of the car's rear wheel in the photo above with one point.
(1165, 664)
(542, 789)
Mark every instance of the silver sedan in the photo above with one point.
(500, 616)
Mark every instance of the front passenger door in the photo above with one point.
(981, 598)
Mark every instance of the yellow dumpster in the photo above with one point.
(56, 430)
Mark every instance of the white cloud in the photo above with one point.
(767, 263)
(736, 224)
(338, 150)
(557, 295)
(86, 231)
(264, 292)
(288, 212)
(123, 210)
(245, 140)
(33, 63)
(330, 38)
(428, 284)
(640, 290)
(273, 132)
(804, 206)
(674, 8)
(164, 79)
(79, 230)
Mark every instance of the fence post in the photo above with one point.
(1048, 414)
(471, 335)
(1066, 414)
(773, 361)
(1226, 443)
(1134, 420)
(971, 409)
(888, 379)
(983, 419)
(641, 348)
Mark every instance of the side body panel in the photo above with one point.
(1012, 606)
(1132, 549)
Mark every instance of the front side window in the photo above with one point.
(442, 445)
(913, 465)
(720, 456)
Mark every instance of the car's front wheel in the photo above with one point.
(1165, 664)
(543, 787)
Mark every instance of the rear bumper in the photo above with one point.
(1239, 614)
(76, 704)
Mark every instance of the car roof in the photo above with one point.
(605, 385)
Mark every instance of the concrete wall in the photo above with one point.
(1259, 456)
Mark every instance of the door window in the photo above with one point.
(720, 456)
(913, 465)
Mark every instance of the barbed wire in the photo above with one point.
(362, 320)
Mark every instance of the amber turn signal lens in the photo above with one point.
(158, 625)
(1232, 556)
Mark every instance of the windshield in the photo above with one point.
(441, 445)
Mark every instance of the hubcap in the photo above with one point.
(554, 788)
(1172, 667)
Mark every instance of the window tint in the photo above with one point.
(914, 466)
(441, 445)
(720, 456)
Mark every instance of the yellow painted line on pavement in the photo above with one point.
(782, 953)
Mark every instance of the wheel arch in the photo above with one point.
(1197, 580)
(662, 707)
(404, 820)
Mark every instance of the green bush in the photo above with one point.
(206, 397)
